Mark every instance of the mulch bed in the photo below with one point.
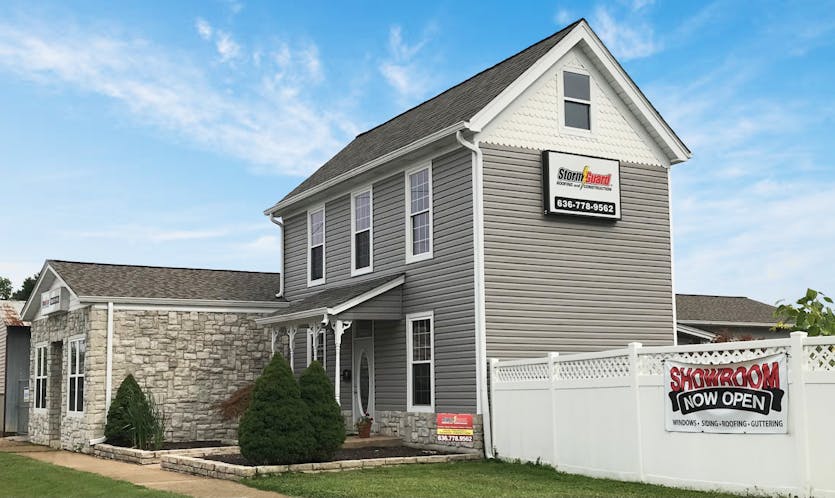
(189, 445)
(343, 454)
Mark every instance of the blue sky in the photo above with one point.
(157, 132)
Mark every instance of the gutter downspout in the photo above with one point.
(483, 399)
(280, 222)
(108, 375)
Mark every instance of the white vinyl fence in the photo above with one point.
(603, 415)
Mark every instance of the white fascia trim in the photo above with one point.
(414, 258)
(417, 144)
(693, 331)
(412, 317)
(341, 308)
(370, 268)
(320, 281)
(582, 32)
(36, 292)
(299, 315)
(726, 324)
(207, 303)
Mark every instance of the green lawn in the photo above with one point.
(489, 478)
(22, 476)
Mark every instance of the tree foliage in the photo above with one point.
(811, 313)
(26, 288)
(325, 415)
(5, 288)
(276, 428)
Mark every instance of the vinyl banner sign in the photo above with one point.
(749, 397)
(455, 427)
(581, 185)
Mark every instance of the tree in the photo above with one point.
(276, 429)
(325, 415)
(5, 288)
(811, 313)
(26, 288)
(134, 419)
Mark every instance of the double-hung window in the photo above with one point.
(419, 214)
(362, 230)
(316, 246)
(420, 344)
(577, 100)
(40, 377)
(75, 393)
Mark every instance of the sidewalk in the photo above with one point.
(151, 476)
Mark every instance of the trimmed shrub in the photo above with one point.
(275, 429)
(325, 415)
(134, 419)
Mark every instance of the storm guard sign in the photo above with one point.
(581, 185)
(749, 397)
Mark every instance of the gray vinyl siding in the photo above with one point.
(388, 305)
(443, 284)
(390, 365)
(571, 284)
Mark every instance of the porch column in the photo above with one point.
(291, 334)
(313, 330)
(341, 326)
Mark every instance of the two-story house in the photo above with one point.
(522, 211)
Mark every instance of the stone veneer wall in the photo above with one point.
(74, 430)
(421, 428)
(187, 360)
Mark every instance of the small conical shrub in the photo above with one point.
(119, 428)
(325, 415)
(275, 429)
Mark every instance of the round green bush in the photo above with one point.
(325, 414)
(119, 429)
(275, 429)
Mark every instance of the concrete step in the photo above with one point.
(375, 441)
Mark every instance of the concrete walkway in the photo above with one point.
(150, 476)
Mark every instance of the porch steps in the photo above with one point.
(375, 441)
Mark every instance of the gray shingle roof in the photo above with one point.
(108, 280)
(722, 309)
(334, 296)
(459, 103)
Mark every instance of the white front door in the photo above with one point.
(363, 377)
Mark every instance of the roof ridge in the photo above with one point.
(161, 267)
(552, 35)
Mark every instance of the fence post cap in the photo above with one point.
(634, 345)
(553, 354)
(799, 333)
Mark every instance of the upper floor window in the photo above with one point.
(362, 227)
(40, 377)
(419, 214)
(577, 97)
(75, 392)
(316, 246)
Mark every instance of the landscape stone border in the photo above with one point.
(145, 457)
(221, 470)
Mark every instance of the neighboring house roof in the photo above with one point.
(10, 313)
(457, 105)
(723, 310)
(335, 300)
(695, 332)
(154, 282)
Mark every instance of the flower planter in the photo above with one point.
(364, 430)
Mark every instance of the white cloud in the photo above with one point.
(640, 4)
(402, 70)
(275, 128)
(629, 39)
(204, 29)
(563, 17)
(227, 48)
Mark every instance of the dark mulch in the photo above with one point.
(188, 445)
(343, 454)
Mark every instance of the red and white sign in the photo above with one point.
(455, 427)
(748, 397)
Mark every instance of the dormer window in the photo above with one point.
(577, 100)
(316, 246)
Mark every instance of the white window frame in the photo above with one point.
(563, 99)
(78, 375)
(410, 257)
(320, 281)
(370, 268)
(312, 346)
(41, 374)
(411, 318)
